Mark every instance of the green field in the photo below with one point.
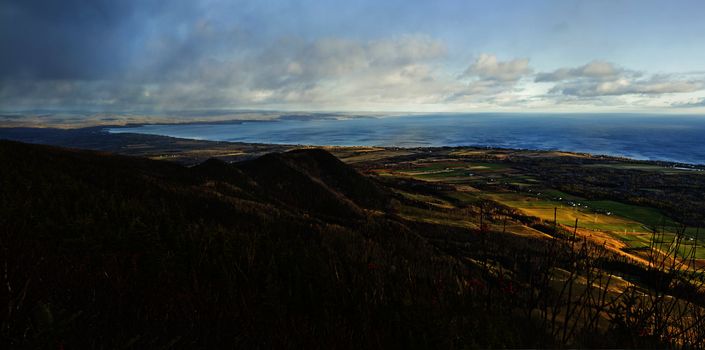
(434, 216)
(565, 213)
(648, 216)
(560, 194)
(642, 167)
(630, 224)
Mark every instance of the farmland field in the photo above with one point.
(476, 175)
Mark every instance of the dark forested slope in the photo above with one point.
(109, 251)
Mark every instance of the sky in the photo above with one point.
(368, 55)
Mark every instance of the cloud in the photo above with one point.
(488, 76)
(691, 104)
(331, 68)
(597, 70)
(599, 78)
(488, 67)
(174, 54)
(625, 86)
(195, 71)
(304, 63)
(76, 39)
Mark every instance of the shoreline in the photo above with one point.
(660, 162)
(92, 137)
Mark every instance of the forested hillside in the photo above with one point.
(292, 250)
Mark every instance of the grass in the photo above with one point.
(425, 199)
(465, 197)
(436, 217)
(566, 214)
(644, 215)
(437, 166)
(470, 152)
(461, 166)
(685, 250)
(366, 155)
(643, 167)
(455, 173)
(640, 240)
(643, 240)
(560, 194)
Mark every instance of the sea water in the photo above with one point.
(674, 138)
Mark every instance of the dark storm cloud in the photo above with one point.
(71, 39)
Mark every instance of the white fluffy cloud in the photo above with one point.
(487, 79)
(599, 78)
(488, 67)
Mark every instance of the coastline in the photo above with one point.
(150, 145)
(664, 141)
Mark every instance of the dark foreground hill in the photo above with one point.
(292, 250)
(110, 251)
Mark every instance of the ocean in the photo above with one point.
(674, 138)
